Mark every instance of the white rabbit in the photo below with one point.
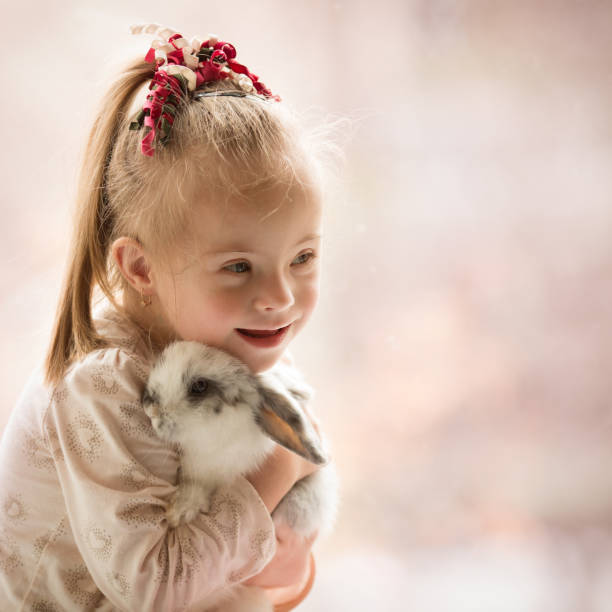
(223, 420)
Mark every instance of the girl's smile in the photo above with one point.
(264, 338)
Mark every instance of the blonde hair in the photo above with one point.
(222, 142)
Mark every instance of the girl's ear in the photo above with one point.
(283, 420)
(133, 262)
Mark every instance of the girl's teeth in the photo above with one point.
(259, 334)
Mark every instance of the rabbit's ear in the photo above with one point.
(285, 423)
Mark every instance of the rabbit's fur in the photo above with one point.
(223, 420)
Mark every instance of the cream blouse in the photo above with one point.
(84, 484)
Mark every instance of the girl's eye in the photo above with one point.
(240, 267)
(303, 258)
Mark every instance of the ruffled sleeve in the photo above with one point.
(116, 478)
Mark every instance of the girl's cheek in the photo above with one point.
(227, 302)
(310, 297)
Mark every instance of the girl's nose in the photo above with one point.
(273, 293)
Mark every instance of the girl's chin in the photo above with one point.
(261, 363)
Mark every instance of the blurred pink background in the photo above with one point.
(461, 350)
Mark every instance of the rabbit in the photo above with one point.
(224, 421)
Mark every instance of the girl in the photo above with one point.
(198, 219)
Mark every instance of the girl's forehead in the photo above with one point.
(281, 212)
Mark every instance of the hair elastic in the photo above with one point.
(229, 94)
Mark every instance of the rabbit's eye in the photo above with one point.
(198, 386)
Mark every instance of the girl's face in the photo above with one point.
(250, 282)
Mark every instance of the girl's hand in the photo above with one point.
(289, 569)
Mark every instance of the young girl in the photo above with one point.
(199, 219)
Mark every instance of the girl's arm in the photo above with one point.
(281, 470)
(289, 572)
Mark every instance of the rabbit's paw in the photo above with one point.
(185, 505)
(312, 503)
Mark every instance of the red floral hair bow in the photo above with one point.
(180, 68)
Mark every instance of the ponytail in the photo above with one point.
(74, 334)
